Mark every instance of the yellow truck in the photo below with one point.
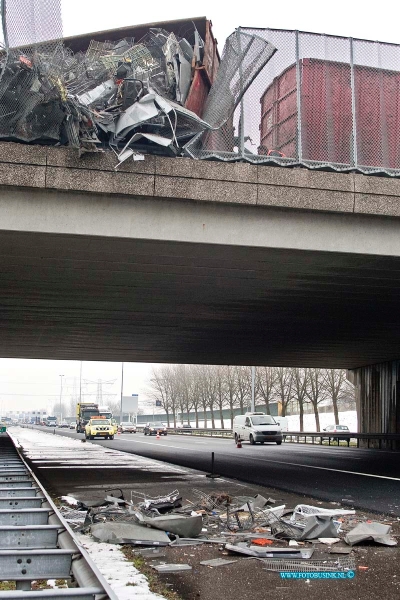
(99, 427)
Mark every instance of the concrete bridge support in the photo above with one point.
(378, 397)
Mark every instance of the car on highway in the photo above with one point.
(256, 427)
(98, 427)
(72, 425)
(152, 428)
(333, 429)
(63, 425)
(127, 427)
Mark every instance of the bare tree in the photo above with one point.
(243, 387)
(300, 382)
(60, 413)
(283, 386)
(202, 390)
(338, 388)
(220, 392)
(211, 392)
(266, 378)
(316, 391)
(71, 411)
(184, 386)
(160, 387)
(195, 389)
(230, 374)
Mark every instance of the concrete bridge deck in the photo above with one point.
(62, 169)
(174, 260)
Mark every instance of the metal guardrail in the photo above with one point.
(300, 437)
(344, 436)
(208, 432)
(386, 441)
(35, 541)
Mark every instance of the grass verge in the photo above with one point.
(155, 585)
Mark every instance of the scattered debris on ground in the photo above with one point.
(238, 527)
(63, 465)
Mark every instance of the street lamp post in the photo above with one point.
(122, 391)
(61, 398)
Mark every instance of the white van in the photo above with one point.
(283, 422)
(257, 427)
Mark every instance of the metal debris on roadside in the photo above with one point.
(318, 526)
(302, 512)
(128, 533)
(171, 568)
(159, 504)
(213, 501)
(340, 550)
(217, 562)
(341, 564)
(188, 542)
(151, 552)
(75, 518)
(376, 532)
(250, 550)
(243, 525)
(185, 526)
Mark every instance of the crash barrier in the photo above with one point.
(207, 432)
(35, 541)
(388, 441)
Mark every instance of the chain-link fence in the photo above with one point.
(321, 101)
(129, 92)
(30, 69)
(281, 97)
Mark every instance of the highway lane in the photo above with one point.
(370, 477)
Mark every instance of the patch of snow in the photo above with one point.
(348, 418)
(69, 500)
(124, 579)
(45, 448)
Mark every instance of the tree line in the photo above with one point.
(211, 389)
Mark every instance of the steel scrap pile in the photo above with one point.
(116, 94)
(128, 96)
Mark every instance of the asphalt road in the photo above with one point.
(369, 477)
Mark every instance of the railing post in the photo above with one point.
(241, 118)
(353, 104)
(298, 93)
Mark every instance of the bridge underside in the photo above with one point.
(65, 296)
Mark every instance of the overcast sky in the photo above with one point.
(28, 384)
(370, 20)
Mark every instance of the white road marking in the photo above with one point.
(326, 469)
(159, 444)
(281, 462)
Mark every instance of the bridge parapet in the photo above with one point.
(205, 181)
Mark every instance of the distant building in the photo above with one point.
(29, 416)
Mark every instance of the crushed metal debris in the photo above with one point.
(127, 96)
(244, 526)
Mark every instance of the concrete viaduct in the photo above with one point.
(175, 260)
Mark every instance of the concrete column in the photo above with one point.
(378, 398)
